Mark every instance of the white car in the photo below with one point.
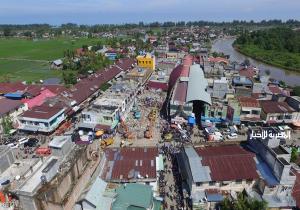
(232, 136)
(13, 146)
(23, 140)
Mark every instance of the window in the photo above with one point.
(239, 181)
(280, 117)
(212, 183)
(249, 181)
(288, 117)
(212, 114)
(255, 112)
(198, 184)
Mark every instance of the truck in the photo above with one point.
(43, 151)
(106, 142)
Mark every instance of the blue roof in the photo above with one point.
(242, 81)
(192, 120)
(14, 95)
(214, 197)
(266, 172)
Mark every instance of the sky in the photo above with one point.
(56, 12)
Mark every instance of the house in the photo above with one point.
(44, 118)
(220, 88)
(57, 64)
(12, 109)
(146, 61)
(219, 168)
(95, 197)
(277, 112)
(40, 99)
(111, 54)
(273, 164)
(250, 109)
(104, 112)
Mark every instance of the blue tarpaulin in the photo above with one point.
(214, 197)
(15, 95)
(192, 120)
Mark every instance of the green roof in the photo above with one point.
(133, 197)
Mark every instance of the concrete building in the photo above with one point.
(11, 109)
(42, 119)
(7, 158)
(277, 112)
(219, 168)
(146, 61)
(117, 102)
(56, 184)
(250, 109)
(220, 88)
(275, 169)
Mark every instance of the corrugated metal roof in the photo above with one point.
(197, 85)
(230, 162)
(200, 173)
(124, 161)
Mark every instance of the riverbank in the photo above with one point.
(291, 78)
(263, 56)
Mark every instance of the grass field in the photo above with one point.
(28, 60)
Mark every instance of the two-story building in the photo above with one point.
(146, 61)
(44, 118)
(250, 109)
(219, 168)
(277, 112)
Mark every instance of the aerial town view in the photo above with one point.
(150, 105)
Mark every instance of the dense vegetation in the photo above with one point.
(243, 203)
(276, 46)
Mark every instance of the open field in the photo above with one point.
(22, 59)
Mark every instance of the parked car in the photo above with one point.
(23, 140)
(232, 136)
(32, 142)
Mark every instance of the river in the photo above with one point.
(225, 46)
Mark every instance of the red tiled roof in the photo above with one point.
(228, 163)
(218, 60)
(276, 107)
(248, 101)
(40, 99)
(126, 159)
(247, 72)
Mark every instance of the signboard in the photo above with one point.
(230, 114)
